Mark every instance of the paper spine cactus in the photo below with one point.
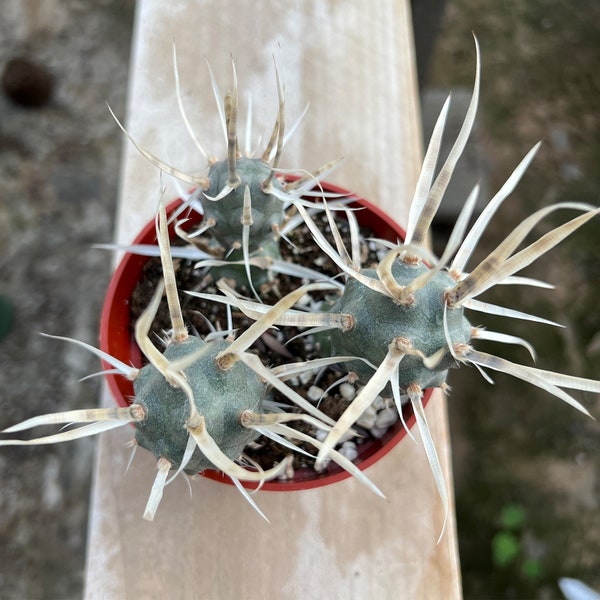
(399, 327)
(198, 404)
(244, 201)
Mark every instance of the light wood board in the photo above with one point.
(353, 62)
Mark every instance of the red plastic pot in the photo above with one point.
(116, 338)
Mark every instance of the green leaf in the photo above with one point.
(531, 569)
(512, 516)
(505, 549)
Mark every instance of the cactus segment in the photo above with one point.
(378, 319)
(244, 201)
(267, 211)
(220, 400)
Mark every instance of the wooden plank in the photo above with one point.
(353, 61)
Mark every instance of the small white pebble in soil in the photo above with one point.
(367, 419)
(314, 393)
(304, 301)
(306, 376)
(378, 403)
(386, 417)
(378, 432)
(320, 435)
(347, 391)
(349, 450)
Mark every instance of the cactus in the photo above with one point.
(404, 320)
(200, 403)
(398, 327)
(243, 200)
(420, 322)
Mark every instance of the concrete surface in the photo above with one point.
(59, 167)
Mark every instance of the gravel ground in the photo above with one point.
(59, 165)
(526, 465)
(526, 468)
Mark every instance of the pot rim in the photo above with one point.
(116, 338)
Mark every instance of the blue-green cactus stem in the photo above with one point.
(220, 397)
(378, 319)
(267, 210)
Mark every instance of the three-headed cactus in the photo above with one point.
(398, 327)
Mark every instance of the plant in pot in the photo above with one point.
(136, 278)
(249, 208)
(396, 322)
